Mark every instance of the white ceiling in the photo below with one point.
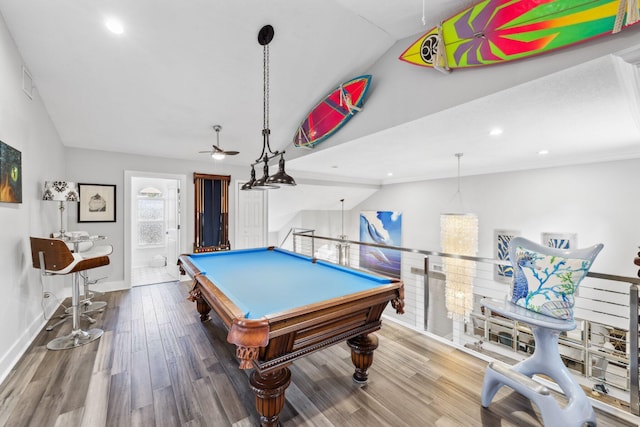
(183, 66)
(596, 117)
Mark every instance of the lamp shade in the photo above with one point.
(60, 191)
(249, 184)
(281, 177)
(262, 184)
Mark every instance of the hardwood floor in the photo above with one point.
(158, 365)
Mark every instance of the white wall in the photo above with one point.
(101, 167)
(25, 125)
(596, 201)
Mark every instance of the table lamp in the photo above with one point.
(60, 191)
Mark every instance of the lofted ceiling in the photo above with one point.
(182, 66)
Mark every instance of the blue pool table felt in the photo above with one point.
(263, 282)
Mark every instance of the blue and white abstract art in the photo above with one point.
(503, 273)
(385, 228)
(560, 240)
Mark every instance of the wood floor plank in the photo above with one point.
(70, 419)
(97, 399)
(24, 410)
(141, 390)
(170, 344)
(211, 407)
(104, 355)
(121, 353)
(186, 402)
(233, 400)
(78, 378)
(46, 411)
(18, 380)
(138, 335)
(119, 407)
(109, 319)
(307, 413)
(158, 369)
(143, 417)
(165, 409)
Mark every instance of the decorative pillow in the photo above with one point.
(546, 283)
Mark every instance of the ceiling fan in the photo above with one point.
(217, 152)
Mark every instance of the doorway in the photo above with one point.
(251, 218)
(154, 217)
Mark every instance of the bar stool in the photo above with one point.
(53, 257)
(545, 280)
(82, 242)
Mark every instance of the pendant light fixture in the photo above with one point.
(281, 178)
(459, 236)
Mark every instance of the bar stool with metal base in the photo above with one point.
(87, 305)
(53, 257)
(83, 243)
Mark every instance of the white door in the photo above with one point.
(251, 218)
(173, 228)
(142, 261)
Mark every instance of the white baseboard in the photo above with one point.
(13, 355)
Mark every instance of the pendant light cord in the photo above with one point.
(265, 98)
(458, 155)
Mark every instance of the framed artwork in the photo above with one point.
(97, 203)
(560, 240)
(384, 228)
(10, 174)
(502, 238)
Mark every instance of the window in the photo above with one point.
(150, 221)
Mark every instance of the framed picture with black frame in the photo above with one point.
(97, 203)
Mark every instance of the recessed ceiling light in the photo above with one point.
(389, 173)
(114, 25)
(334, 167)
(495, 132)
(543, 152)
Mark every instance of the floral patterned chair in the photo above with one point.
(544, 283)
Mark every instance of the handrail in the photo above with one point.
(615, 278)
(292, 230)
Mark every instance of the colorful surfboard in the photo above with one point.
(332, 112)
(496, 31)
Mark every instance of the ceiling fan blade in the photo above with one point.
(216, 148)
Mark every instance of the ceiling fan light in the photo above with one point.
(218, 155)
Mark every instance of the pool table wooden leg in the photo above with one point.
(269, 390)
(201, 305)
(362, 348)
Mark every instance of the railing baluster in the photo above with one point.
(426, 292)
(633, 351)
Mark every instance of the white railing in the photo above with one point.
(602, 351)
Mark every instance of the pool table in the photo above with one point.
(279, 306)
